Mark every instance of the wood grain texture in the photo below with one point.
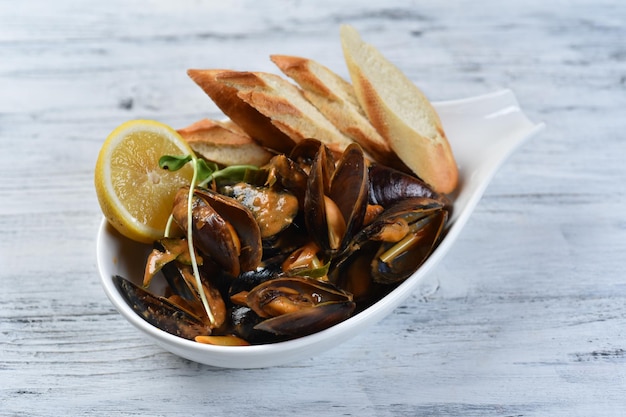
(524, 317)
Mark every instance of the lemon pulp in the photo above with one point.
(135, 194)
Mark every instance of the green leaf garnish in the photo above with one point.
(312, 272)
(233, 173)
(205, 171)
(174, 162)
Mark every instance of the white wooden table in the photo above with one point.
(526, 316)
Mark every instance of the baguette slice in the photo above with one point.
(255, 124)
(285, 105)
(400, 112)
(224, 143)
(334, 97)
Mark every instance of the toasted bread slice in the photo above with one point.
(285, 105)
(255, 124)
(400, 112)
(334, 97)
(224, 143)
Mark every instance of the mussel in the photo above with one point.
(398, 257)
(297, 306)
(286, 173)
(398, 241)
(335, 202)
(161, 312)
(223, 229)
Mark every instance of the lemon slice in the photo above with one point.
(135, 194)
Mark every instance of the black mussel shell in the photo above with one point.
(160, 312)
(308, 321)
(387, 186)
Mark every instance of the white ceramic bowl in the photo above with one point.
(483, 132)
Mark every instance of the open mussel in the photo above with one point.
(183, 285)
(392, 247)
(171, 258)
(307, 152)
(297, 306)
(397, 258)
(223, 229)
(336, 198)
(349, 190)
(284, 172)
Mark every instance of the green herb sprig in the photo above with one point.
(203, 173)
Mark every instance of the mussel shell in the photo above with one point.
(176, 282)
(286, 242)
(308, 321)
(244, 223)
(349, 189)
(305, 153)
(388, 186)
(287, 174)
(371, 240)
(410, 209)
(213, 216)
(403, 265)
(246, 281)
(244, 322)
(318, 187)
(160, 312)
(212, 235)
(176, 271)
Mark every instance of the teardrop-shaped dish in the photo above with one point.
(483, 131)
